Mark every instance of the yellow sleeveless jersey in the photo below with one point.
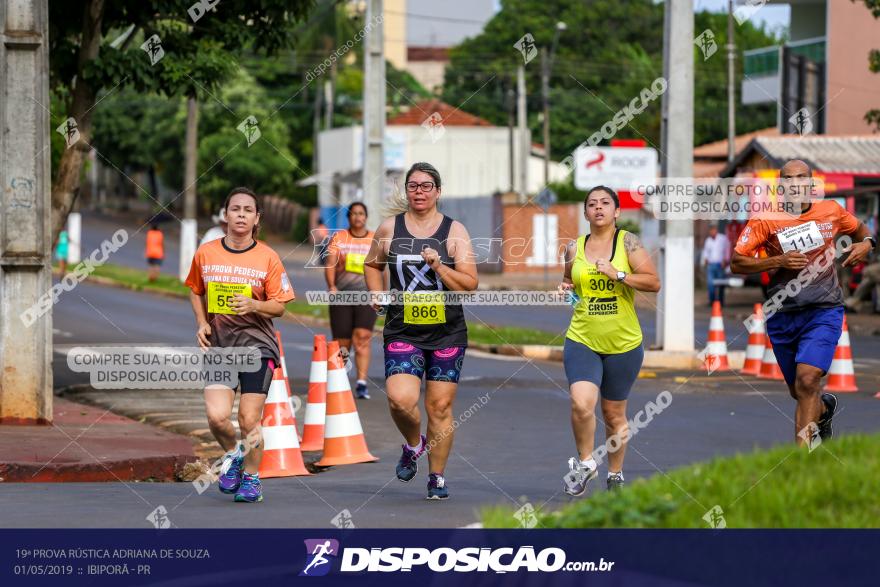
(605, 317)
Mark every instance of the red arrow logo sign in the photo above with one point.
(600, 157)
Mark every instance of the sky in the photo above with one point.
(442, 24)
(773, 16)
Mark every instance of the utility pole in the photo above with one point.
(731, 94)
(676, 310)
(328, 108)
(546, 66)
(373, 178)
(511, 123)
(25, 221)
(523, 130)
(189, 224)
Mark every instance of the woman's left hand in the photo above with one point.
(243, 305)
(606, 268)
(431, 257)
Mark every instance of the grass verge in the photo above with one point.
(785, 487)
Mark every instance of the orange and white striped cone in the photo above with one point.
(755, 346)
(715, 355)
(344, 442)
(316, 408)
(281, 452)
(841, 375)
(769, 367)
(284, 371)
(281, 353)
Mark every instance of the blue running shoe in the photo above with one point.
(361, 391)
(251, 490)
(230, 473)
(437, 487)
(408, 465)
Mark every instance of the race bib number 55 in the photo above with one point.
(220, 296)
(423, 308)
(802, 238)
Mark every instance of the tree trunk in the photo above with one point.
(66, 183)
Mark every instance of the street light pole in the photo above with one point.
(546, 67)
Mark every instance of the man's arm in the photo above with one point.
(743, 264)
(860, 248)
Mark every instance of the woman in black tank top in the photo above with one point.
(427, 254)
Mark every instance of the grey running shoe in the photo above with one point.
(577, 477)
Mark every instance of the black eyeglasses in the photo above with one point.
(426, 186)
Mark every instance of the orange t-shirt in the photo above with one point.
(219, 272)
(351, 251)
(813, 234)
(155, 245)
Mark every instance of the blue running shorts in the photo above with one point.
(805, 336)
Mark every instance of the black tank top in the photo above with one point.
(421, 325)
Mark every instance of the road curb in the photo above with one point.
(105, 447)
(156, 468)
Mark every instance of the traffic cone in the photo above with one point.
(755, 346)
(281, 452)
(316, 408)
(344, 442)
(769, 367)
(716, 348)
(284, 371)
(841, 375)
(281, 353)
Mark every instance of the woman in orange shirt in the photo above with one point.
(345, 272)
(238, 284)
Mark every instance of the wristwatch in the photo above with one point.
(621, 275)
(872, 239)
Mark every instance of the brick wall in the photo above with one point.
(518, 245)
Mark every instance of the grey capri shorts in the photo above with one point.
(613, 374)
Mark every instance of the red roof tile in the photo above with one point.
(449, 115)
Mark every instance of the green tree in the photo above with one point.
(198, 55)
(873, 115)
(609, 51)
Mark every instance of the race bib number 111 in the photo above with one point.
(802, 238)
(220, 296)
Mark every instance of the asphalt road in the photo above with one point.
(511, 451)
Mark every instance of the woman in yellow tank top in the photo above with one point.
(603, 345)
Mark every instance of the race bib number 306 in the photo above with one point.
(220, 296)
(802, 238)
(423, 308)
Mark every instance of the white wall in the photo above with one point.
(473, 161)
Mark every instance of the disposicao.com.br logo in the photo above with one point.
(440, 560)
(318, 552)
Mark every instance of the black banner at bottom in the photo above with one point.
(467, 557)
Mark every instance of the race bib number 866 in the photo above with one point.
(423, 308)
